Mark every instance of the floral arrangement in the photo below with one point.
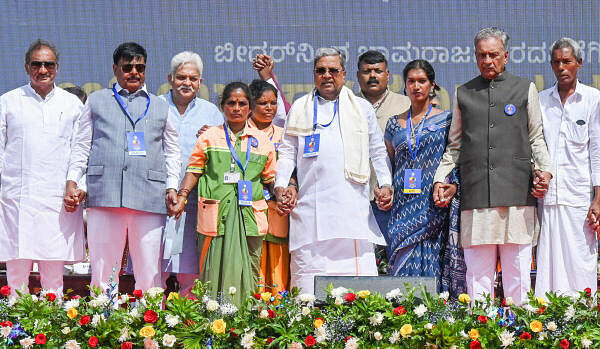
(346, 319)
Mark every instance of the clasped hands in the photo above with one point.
(73, 196)
(384, 197)
(286, 198)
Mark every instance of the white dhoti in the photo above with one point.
(567, 251)
(516, 267)
(18, 270)
(335, 257)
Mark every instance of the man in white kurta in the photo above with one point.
(568, 250)
(39, 135)
(332, 230)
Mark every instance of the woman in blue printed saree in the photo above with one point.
(422, 239)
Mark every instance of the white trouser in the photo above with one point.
(18, 270)
(107, 230)
(515, 260)
(186, 282)
(336, 257)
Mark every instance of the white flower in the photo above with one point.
(542, 335)
(569, 313)
(321, 334)
(306, 298)
(71, 303)
(65, 330)
(149, 343)
(27, 342)
(248, 340)
(305, 311)
(376, 319)
(586, 343)
(339, 300)
(96, 319)
(123, 299)
(296, 345)
(169, 340)
(124, 335)
(205, 299)
(5, 331)
(394, 337)
(420, 310)
(393, 294)
(228, 309)
(377, 336)
(453, 347)
(155, 291)
(100, 301)
(34, 298)
(232, 290)
(574, 296)
(444, 295)
(212, 305)
(339, 292)
(428, 326)
(463, 334)
(172, 320)
(530, 308)
(450, 319)
(509, 301)
(551, 326)
(134, 313)
(492, 313)
(351, 343)
(11, 301)
(72, 344)
(263, 314)
(507, 338)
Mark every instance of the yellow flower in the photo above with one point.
(173, 295)
(542, 301)
(318, 322)
(147, 332)
(72, 313)
(474, 334)
(219, 326)
(464, 298)
(363, 293)
(536, 326)
(265, 296)
(406, 330)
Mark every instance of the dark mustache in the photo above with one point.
(373, 80)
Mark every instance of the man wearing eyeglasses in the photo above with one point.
(132, 172)
(41, 134)
(330, 136)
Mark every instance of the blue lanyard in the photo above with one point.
(120, 100)
(413, 152)
(233, 152)
(335, 110)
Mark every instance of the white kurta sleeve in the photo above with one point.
(539, 149)
(377, 151)
(2, 134)
(81, 142)
(286, 161)
(280, 116)
(450, 158)
(172, 152)
(594, 135)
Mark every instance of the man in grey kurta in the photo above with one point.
(496, 131)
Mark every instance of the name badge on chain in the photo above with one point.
(136, 145)
(311, 145)
(231, 177)
(412, 181)
(245, 193)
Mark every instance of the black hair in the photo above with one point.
(230, 87)
(371, 57)
(38, 44)
(77, 91)
(258, 88)
(427, 68)
(129, 51)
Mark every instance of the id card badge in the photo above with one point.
(311, 145)
(231, 177)
(412, 181)
(245, 193)
(136, 145)
(266, 194)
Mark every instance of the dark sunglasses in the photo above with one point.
(127, 68)
(38, 64)
(323, 71)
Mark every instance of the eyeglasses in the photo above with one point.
(332, 71)
(39, 64)
(127, 68)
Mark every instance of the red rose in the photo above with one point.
(399, 310)
(504, 302)
(310, 341)
(50, 297)
(588, 293)
(138, 294)
(475, 345)
(598, 306)
(93, 341)
(525, 336)
(127, 345)
(189, 322)
(150, 316)
(271, 313)
(84, 320)
(482, 319)
(347, 339)
(564, 344)
(233, 333)
(40, 339)
(269, 340)
(6, 324)
(350, 297)
(541, 310)
(5, 290)
(76, 296)
(257, 296)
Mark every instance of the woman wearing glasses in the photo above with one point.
(230, 164)
(422, 239)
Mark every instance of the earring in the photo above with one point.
(431, 93)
